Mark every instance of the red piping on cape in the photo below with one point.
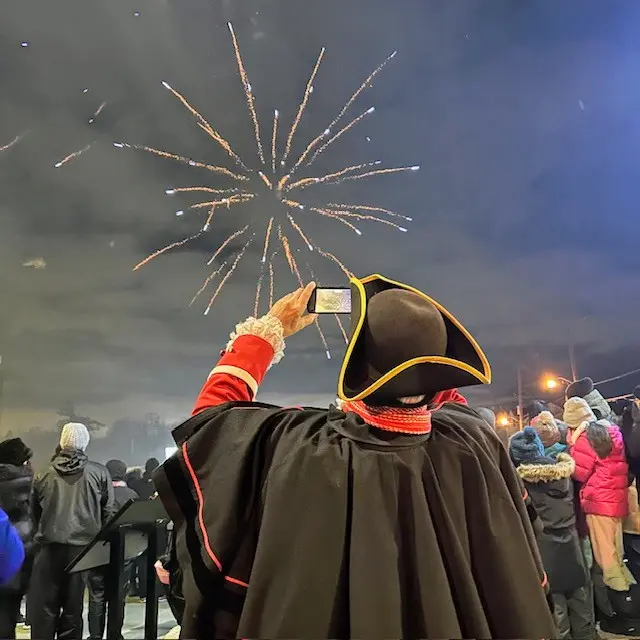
(526, 495)
(203, 530)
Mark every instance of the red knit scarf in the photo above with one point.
(412, 420)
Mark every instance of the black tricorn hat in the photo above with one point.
(404, 344)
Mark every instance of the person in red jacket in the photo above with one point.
(601, 468)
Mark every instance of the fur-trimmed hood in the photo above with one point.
(547, 470)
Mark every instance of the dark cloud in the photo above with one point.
(523, 117)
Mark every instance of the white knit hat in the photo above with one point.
(577, 411)
(74, 436)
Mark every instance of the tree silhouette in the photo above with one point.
(68, 413)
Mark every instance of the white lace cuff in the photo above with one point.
(268, 328)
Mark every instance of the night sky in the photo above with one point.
(523, 115)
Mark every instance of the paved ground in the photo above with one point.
(133, 622)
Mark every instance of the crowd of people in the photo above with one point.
(397, 512)
(46, 519)
(579, 470)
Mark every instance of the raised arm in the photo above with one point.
(255, 345)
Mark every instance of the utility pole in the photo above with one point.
(520, 406)
(572, 360)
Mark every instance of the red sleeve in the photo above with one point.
(238, 374)
(452, 395)
(584, 457)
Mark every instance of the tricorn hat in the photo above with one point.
(403, 343)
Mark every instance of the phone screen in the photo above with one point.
(330, 300)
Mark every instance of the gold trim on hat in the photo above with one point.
(483, 376)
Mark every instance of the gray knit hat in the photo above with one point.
(74, 436)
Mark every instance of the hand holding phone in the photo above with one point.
(330, 300)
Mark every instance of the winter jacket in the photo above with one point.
(122, 494)
(11, 549)
(71, 500)
(144, 487)
(549, 485)
(599, 405)
(15, 501)
(604, 480)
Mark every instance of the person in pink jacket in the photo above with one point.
(601, 467)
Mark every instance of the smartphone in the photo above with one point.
(330, 300)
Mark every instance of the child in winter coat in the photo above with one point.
(550, 487)
(598, 450)
(552, 433)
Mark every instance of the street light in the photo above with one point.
(551, 383)
(503, 420)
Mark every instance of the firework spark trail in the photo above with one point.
(368, 174)
(227, 276)
(265, 180)
(335, 315)
(71, 156)
(274, 140)
(292, 203)
(290, 259)
(205, 284)
(263, 260)
(233, 236)
(205, 125)
(159, 252)
(303, 104)
(267, 236)
(311, 146)
(305, 182)
(360, 216)
(207, 224)
(342, 131)
(361, 88)
(365, 207)
(330, 256)
(175, 190)
(273, 255)
(235, 199)
(334, 216)
(247, 91)
(301, 233)
(181, 159)
(293, 265)
(97, 113)
(256, 304)
(11, 143)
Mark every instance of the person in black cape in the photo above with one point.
(396, 514)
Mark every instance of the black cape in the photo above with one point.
(342, 530)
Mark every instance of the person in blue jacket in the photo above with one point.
(11, 549)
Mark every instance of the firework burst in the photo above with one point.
(275, 175)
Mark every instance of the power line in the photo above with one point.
(622, 375)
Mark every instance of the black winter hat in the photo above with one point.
(580, 388)
(636, 392)
(151, 465)
(14, 451)
(117, 469)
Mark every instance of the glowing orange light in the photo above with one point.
(503, 419)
